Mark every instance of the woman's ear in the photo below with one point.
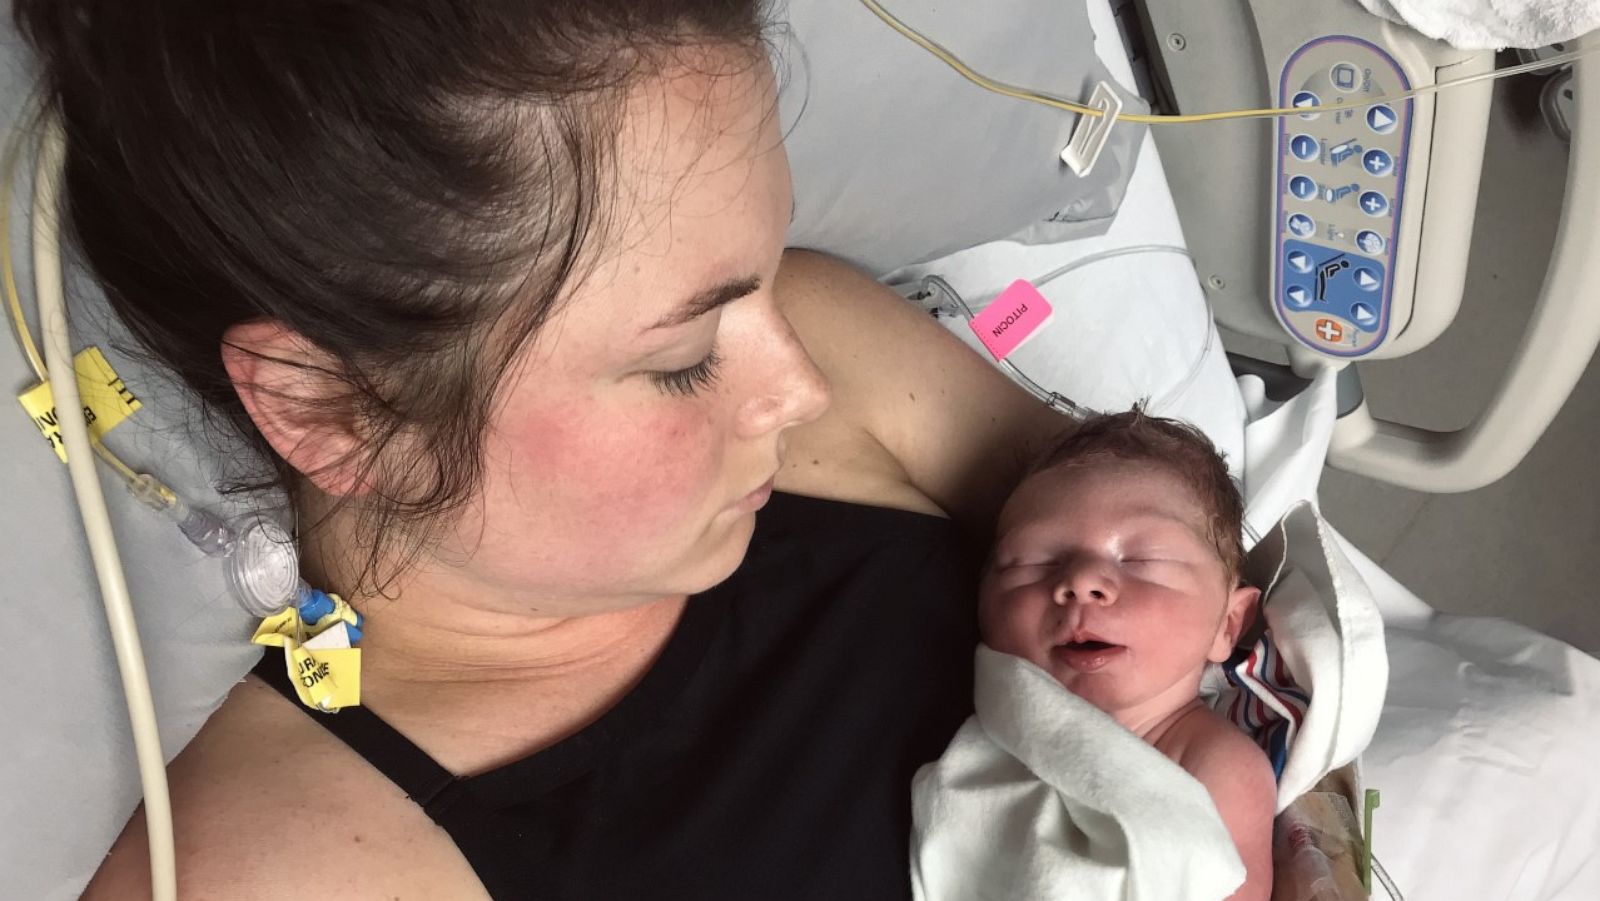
(288, 388)
(1236, 619)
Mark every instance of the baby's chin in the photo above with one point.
(1108, 695)
(1113, 688)
(1095, 673)
(1106, 698)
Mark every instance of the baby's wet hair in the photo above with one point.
(1181, 449)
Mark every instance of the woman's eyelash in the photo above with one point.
(687, 382)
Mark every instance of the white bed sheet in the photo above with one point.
(1484, 751)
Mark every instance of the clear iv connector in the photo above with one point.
(259, 556)
(263, 567)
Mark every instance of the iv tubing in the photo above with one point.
(96, 520)
(163, 495)
(1054, 399)
(1020, 93)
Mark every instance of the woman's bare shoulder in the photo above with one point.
(267, 805)
(913, 408)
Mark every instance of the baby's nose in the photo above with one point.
(1086, 584)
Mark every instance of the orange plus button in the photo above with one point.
(1330, 331)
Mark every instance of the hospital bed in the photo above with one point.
(1487, 788)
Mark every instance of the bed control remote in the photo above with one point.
(1340, 176)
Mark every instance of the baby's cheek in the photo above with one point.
(988, 612)
(1007, 625)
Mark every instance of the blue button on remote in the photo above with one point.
(1382, 119)
(1376, 162)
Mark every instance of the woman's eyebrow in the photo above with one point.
(709, 299)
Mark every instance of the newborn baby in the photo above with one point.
(1116, 569)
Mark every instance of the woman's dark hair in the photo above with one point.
(409, 185)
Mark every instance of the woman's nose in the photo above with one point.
(789, 390)
(1086, 583)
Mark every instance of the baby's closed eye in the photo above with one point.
(1156, 562)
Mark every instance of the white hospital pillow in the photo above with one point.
(898, 159)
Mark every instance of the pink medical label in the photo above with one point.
(1014, 317)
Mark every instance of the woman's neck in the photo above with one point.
(430, 637)
(444, 660)
(477, 690)
(434, 622)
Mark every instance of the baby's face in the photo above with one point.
(1103, 576)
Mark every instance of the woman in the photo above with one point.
(499, 288)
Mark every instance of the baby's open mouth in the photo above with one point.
(1089, 645)
(1087, 655)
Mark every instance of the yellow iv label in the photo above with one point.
(106, 400)
(326, 677)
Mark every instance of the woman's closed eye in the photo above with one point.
(691, 380)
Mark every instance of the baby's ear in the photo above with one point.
(1236, 620)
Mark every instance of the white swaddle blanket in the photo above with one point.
(1041, 795)
(1324, 621)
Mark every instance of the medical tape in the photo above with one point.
(1015, 316)
(107, 402)
(322, 665)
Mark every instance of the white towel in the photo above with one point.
(1321, 612)
(1041, 795)
(1493, 24)
(1285, 445)
(1324, 622)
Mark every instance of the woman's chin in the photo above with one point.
(723, 548)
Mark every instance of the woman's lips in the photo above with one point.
(756, 499)
(1088, 656)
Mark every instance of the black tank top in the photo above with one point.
(767, 754)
